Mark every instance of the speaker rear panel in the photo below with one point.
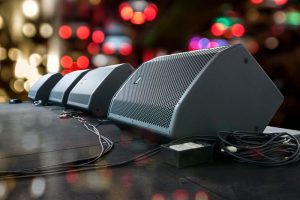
(152, 92)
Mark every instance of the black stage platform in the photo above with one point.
(35, 136)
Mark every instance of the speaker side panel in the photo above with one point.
(148, 98)
(42, 88)
(232, 93)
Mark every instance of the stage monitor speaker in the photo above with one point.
(60, 93)
(95, 90)
(40, 91)
(198, 93)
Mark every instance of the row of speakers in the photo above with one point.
(184, 94)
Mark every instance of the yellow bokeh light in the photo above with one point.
(18, 85)
(3, 53)
(35, 59)
(1, 22)
(3, 96)
(46, 30)
(13, 53)
(95, 2)
(29, 30)
(30, 9)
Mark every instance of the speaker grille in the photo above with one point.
(79, 99)
(152, 92)
(56, 95)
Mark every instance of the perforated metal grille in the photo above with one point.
(153, 91)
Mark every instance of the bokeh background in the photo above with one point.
(41, 36)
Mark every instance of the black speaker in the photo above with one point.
(41, 89)
(95, 90)
(60, 93)
(198, 93)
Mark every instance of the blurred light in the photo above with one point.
(93, 48)
(100, 60)
(71, 176)
(66, 62)
(201, 196)
(18, 85)
(1, 22)
(98, 36)
(256, 1)
(125, 49)
(95, 2)
(280, 2)
(148, 55)
(30, 8)
(3, 185)
(217, 29)
(21, 67)
(49, 8)
(222, 42)
(38, 187)
(253, 15)
(138, 18)
(35, 59)
(225, 21)
(13, 53)
(3, 53)
(83, 62)
(53, 62)
(237, 30)
(3, 98)
(279, 17)
(83, 32)
(180, 194)
(108, 48)
(126, 11)
(158, 196)
(46, 30)
(213, 44)
(29, 30)
(203, 43)
(65, 31)
(193, 43)
(151, 11)
(293, 18)
(271, 43)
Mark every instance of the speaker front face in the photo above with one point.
(149, 96)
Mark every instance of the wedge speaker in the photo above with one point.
(60, 93)
(198, 93)
(40, 91)
(96, 89)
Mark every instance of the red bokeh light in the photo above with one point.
(71, 176)
(83, 32)
(93, 48)
(148, 55)
(280, 2)
(65, 31)
(218, 29)
(126, 11)
(125, 49)
(256, 1)
(138, 18)
(108, 48)
(98, 36)
(237, 30)
(83, 62)
(66, 62)
(151, 12)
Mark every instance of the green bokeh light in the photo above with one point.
(293, 18)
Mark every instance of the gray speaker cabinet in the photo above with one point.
(40, 91)
(96, 89)
(198, 93)
(60, 93)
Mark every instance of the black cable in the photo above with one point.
(264, 149)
